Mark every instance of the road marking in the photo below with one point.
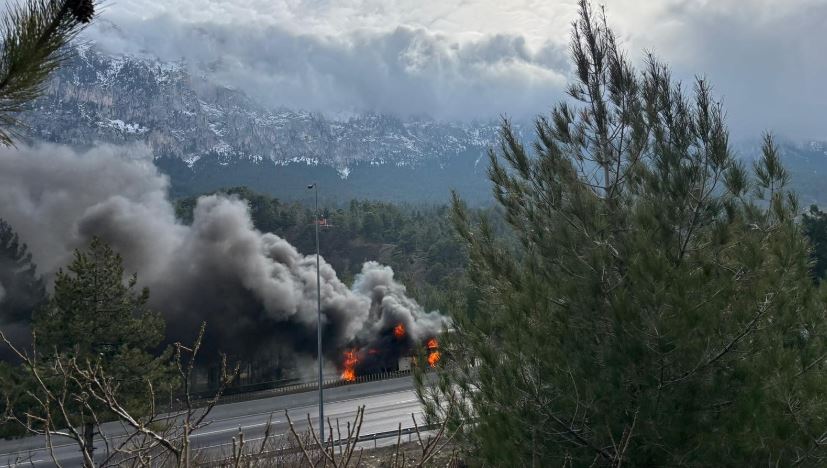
(24, 462)
(244, 416)
(314, 406)
(217, 431)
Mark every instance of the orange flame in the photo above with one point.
(349, 374)
(399, 331)
(433, 358)
(433, 353)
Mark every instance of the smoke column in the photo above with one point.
(253, 289)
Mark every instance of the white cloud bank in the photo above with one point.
(481, 58)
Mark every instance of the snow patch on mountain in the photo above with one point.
(121, 98)
(121, 126)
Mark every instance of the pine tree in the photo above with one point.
(657, 307)
(814, 223)
(34, 35)
(22, 291)
(95, 316)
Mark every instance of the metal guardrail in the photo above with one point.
(336, 443)
(386, 434)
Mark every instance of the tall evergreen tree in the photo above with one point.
(657, 310)
(21, 289)
(22, 292)
(814, 223)
(96, 316)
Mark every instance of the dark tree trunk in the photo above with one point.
(89, 444)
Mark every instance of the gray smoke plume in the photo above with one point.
(255, 291)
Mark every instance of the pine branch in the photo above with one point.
(34, 36)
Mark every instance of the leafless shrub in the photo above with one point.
(429, 443)
(76, 392)
(74, 399)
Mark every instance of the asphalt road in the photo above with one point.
(388, 403)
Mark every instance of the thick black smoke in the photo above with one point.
(254, 290)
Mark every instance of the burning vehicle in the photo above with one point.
(396, 351)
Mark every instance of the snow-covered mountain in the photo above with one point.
(206, 136)
(127, 98)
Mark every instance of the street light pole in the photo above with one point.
(319, 319)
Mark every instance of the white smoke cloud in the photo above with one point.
(252, 288)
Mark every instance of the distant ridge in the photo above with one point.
(206, 136)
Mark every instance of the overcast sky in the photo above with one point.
(466, 59)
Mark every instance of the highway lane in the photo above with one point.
(388, 403)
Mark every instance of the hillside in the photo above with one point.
(207, 137)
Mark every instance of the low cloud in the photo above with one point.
(403, 71)
(461, 59)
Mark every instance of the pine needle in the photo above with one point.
(34, 35)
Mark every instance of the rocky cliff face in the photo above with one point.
(96, 97)
(206, 137)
